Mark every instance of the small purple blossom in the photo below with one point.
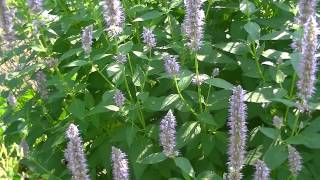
(308, 63)
(215, 72)
(35, 6)
(199, 79)
(238, 133)
(171, 65)
(74, 154)
(41, 87)
(149, 38)
(277, 122)
(262, 171)
(87, 39)
(114, 17)
(120, 58)
(168, 134)
(12, 101)
(119, 98)
(295, 161)
(120, 168)
(193, 23)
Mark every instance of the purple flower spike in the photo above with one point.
(295, 161)
(171, 65)
(87, 39)
(120, 58)
(35, 6)
(41, 87)
(114, 17)
(12, 101)
(168, 135)
(262, 171)
(74, 154)
(193, 23)
(120, 169)
(308, 63)
(7, 22)
(149, 38)
(238, 133)
(119, 98)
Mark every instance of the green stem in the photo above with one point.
(199, 88)
(182, 98)
(290, 95)
(254, 54)
(295, 125)
(208, 95)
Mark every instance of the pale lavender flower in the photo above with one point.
(12, 101)
(51, 62)
(262, 171)
(215, 72)
(87, 39)
(171, 65)
(120, 168)
(35, 6)
(7, 22)
(277, 122)
(199, 79)
(120, 58)
(41, 87)
(119, 98)
(238, 133)
(25, 148)
(168, 134)
(149, 38)
(295, 161)
(114, 17)
(74, 154)
(193, 23)
(308, 62)
(306, 9)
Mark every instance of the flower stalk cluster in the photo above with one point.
(114, 17)
(120, 168)
(168, 134)
(238, 133)
(193, 23)
(74, 154)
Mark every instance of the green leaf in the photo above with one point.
(77, 63)
(187, 132)
(77, 108)
(275, 156)
(276, 35)
(70, 53)
(154, 158)
(294, 59)
(140, 55)
(185, 165)
(153, 103)
(207, 118)
(169, 100)
(269, 132)
(253, 30)
(208, 175)
(233, 47)
(148, 16)
(126, 47)
(310, 140)
(274, 54)
(221, 83)
(185, 78)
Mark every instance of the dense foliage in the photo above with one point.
(150, 89)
